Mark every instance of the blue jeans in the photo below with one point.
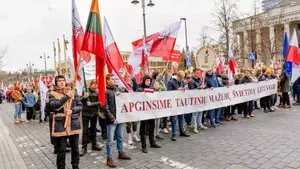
(113, 129)
(18, 110)
(180, 122)
(188, 118)
(214, 116)
(197, 119)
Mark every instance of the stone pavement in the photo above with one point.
(269, 141)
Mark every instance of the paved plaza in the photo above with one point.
(269, 141)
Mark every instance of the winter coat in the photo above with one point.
(284, 84)
(92, 110)
(296, 86)
(174, 84)
(225, 81)
(16, 96)
(110, 108)
(194, 83)
(29, 100)
(263, 77)
(246, 80)
(212, 81)
(57, 103)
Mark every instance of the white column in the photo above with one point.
(287, 29)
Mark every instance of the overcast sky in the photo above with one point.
(29, 27)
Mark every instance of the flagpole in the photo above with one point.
(54, 57)
(84, 80)
(65, 55)
(59, 58)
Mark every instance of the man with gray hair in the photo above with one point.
(177, 83)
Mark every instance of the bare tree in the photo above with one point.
(3, 52)
(205, 39)
(225, 14)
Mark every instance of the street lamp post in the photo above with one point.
(252, 41)
(186, 39)
(29, 65)
(150, 4)
(45, 60)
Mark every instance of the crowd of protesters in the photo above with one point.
(62, 102)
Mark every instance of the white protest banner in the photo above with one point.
(143, 106)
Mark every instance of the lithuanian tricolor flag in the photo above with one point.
(93, 43)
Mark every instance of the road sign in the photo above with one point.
(251, 56)
(188, 62)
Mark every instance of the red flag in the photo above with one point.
(163, 42)
(93, 43)
(115, 64)
(175, 57)
(293, 55)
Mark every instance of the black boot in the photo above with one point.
(95, 147)
(83, 151)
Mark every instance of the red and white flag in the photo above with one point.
(293, 55)
(231, 65)
(162, 42)
(77, 40)
(220, 65)
(115, 64)
(137, 57)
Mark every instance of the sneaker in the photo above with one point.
(252, 115)
(130, 142)
(174, 138)
(247, 117)
(195, 130)
(220, 123)
(202, 128)
(135, 137)
(17, 121)
(266, 111)
(166, 131)
(22, 120)
(190, 126)
(287, 106)
(184, 134)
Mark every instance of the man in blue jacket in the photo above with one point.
(29, 102)
(177, 84)
(212, 82)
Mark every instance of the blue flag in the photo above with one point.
(287, 65)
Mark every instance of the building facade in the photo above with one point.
(269, 4)
(264, 33)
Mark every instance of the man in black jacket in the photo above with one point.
(66, 110)
(147, 124)
(177, 84)
(247, 106)
(89, 115)
(113, 127)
